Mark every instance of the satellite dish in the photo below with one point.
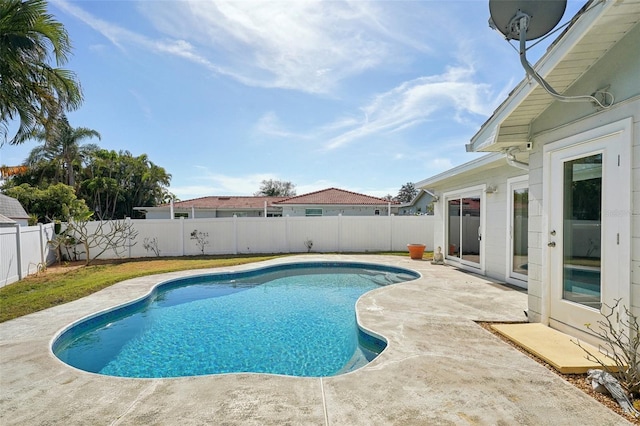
(541, 16)
(525, 20)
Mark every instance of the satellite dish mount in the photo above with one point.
(525, 20)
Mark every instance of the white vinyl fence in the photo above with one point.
(23, 251)
(246, 235)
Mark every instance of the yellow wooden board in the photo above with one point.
(552, 346)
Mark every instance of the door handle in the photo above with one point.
(552, 244)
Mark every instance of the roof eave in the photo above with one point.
(476, 164)
(489, 135)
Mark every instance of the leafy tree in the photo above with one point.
(276, 188)
(388, 197)
(115, 182)
(56, 202)
(407, 193)
(32, 90)
(62, 150)
(39, 175)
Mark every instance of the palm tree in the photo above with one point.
(31, 90)
(62, 149)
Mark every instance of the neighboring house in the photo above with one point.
(11, 209)
(421, 204)
(570, 170)
(335, 202)
(209, 207)
(328, 202)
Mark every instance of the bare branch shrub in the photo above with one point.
(620, 334)
(308, 244)
(201, 239)
(116, 235)
(151, 244)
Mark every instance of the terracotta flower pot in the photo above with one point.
(416, 251)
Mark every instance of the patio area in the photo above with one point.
(440, 367)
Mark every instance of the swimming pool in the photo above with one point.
(294, 319)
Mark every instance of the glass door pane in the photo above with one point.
(582, 215)
(520, 224)
(453, 231)
(470, 240)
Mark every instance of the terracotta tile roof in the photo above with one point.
(335, 196)
(226, 202)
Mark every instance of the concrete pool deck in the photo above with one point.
(439, 368)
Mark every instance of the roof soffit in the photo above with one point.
(569, 58)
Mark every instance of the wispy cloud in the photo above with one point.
(211, 183)
(451, 96)
(143, 104)
(302, 45)
(123, 37)
(454, 94)
(415, 102)
(308, 46)
(270, 125)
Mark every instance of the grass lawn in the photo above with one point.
(64, 283)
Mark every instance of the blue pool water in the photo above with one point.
(294, 319)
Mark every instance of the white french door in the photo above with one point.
(588, 208)
(518, 231)
(464, 224)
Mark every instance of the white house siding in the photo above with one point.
(635, 218)
(537, 220)
(619, 69)
(201, 213)
(534, 285)
(297, 211)
(495, 252)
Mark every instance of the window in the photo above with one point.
(517, 238)
(313, 212)
(377, 212)
(582, 230)
(179, 215)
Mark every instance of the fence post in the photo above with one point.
(41, 233)
(339, 232)
(128, 223)
(235, 233)
(391, 232)
(19, 250)
(287, 232)
(182, 236)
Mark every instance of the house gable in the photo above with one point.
(13, 210)
(334, 202)
(597, 28)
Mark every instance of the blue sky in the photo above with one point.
(360, 95)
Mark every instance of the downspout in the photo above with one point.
(511, 159)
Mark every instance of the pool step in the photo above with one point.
(358, 360)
